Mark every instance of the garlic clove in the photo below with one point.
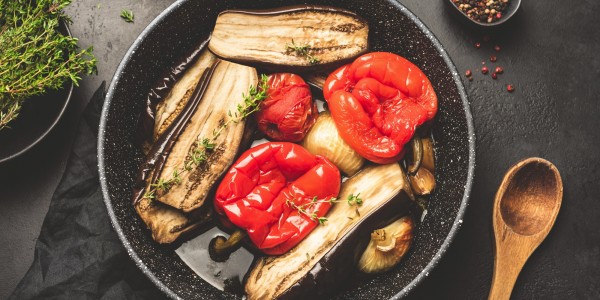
(423, 182)
(387, 246)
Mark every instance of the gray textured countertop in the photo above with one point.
(549, 53)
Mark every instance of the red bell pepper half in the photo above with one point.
(377, 102)
(263, 190)
(289, 111)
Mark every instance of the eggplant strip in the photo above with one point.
(162, 87)
(294, 38)
(303, 271)
(165, 222)
(168, 109)
(227, 83)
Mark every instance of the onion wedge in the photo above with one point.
(313, 267)
(291, 38)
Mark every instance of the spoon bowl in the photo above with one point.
(525, 209)
(529, 203)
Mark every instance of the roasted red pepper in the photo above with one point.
(267, 186)
(289, 111)
(377, 102)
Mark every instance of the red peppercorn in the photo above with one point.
(494, 75)
(493, 58)
(499, 70)
(499, 15)
(468, 73)
(510, 88)
(484, 70)
(497, 48)
(477, 45)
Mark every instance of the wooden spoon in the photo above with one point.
(525, 209)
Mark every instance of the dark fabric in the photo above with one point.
(78, 254)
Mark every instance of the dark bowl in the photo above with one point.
(37, 118)
(177, 29)
(511, 9)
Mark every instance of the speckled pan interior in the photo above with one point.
(392, 28)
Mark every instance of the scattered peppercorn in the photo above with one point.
(510, 88)
(493, 58)
(497, 48)
(494, 76)
(468, 73)
(484, 70)
(477, 45)
(485, 11)
(499, 70)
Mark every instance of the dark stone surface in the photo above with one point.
(549, 53)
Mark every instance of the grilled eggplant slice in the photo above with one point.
(216, 96)
(290, 38)
(168, 109)
(168, 223)
(315, 266)
(161, 88)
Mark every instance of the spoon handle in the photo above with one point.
(507, 266)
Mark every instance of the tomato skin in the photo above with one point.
(254, 194)
(288, 113)
(377, 102)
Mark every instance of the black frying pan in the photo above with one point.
(392, 28)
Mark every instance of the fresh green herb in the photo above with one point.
(302, 50)
(127, 15)
(34, 55)
(355, 199)
(352, 200)
(204, 146)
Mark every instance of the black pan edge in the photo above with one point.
(428, 268)
(470, 175)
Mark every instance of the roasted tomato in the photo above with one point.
(288, 112)
(377, 102)
(277, 192)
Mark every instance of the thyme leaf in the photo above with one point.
(127, 15)
(302, 50)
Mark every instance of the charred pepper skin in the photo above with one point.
(289, 112)
(263, 190)
(377, 102)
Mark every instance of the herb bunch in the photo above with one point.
(34, 55)
(203, 146)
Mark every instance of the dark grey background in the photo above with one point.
(549, 53)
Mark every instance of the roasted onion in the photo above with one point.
(325, 140)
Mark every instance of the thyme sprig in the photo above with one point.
(351, 200)
(127, 15)
(302, 50)
(204, 146)
(34, 55)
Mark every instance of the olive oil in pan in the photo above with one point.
(225, 276)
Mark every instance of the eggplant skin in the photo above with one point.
(261, 37)
(319, 264)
